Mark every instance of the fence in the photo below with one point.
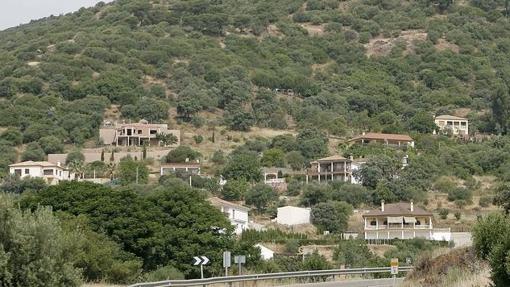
(270, 276)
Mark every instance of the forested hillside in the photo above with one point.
(357, 65)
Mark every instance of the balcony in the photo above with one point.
(398, 227)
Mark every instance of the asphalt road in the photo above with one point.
(386, 282)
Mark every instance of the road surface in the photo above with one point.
(386, 282)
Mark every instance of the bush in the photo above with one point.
(198, 139)
(460, 194)
(457, 215)
(485, 201)
(164, 273)
(22, 233)
(182, 154)
(443, 213)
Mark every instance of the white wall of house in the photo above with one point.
(292, 215)
(238, 217)
(52, 175)
(265, 253)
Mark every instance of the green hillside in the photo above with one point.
(59, 73)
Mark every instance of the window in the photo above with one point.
(463, 124)
(17, 172)
(139, 132)
(153, 132)
(27, 171)
(48, 172)
(373, 223)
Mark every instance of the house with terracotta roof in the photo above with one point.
(332, 168)
(402, 221)
(52, 173)
(136, 134)
(394, 140)
(237, 214)
(452, 124)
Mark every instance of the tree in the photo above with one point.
(286, 142)
(315, 193)
(502, 197)
(168, 225)
(51, 144)
(218, 157)
(332, 216)
(295, 160)
(182, 154)
(75, 155)
(237, 119)
(491, 241)
(131, 171)
(260, 196)
(34, 152)
(243, 166)
(422, 122)
(312, 143)
(167, 139)
(12, 136)
(377, 168)
(13, 184)
(22, 233)
(273, 158)
(234, 190)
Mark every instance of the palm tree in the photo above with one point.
(77, 167)
(110, 169)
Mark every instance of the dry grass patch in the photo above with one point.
(460, 267)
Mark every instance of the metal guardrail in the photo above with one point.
(270, 276)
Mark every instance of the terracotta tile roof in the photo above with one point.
(381, 136)
(218, 202)
(398, 209)
(449, 117)
(35, 163)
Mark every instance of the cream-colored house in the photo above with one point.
(135, 134)
(52, 173)
(332, 168)
(402, 221)
(452, 124)
(237, 214)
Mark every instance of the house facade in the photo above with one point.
(452, 124)
(393, 140)
(185, 167)
(52, 173)
(274, 177)
(293, 215)
(136, 134)
(402, 221)
(237, 214)
(333, 168)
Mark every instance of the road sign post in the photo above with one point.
(394, 270)
(227, 261)
(200, 260)
(239, 260)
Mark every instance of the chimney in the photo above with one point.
(58, 163)
(382, 205)
(412, 206)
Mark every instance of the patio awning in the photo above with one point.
(409, 219)
(395, 219)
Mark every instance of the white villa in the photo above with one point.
(453, 124)
(402, 221)
(52, 173)
(237, 214)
